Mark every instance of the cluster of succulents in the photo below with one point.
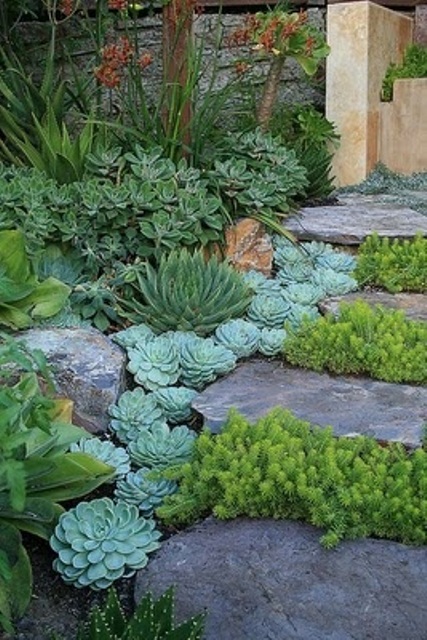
(143, 489)
(100, 541)
(134, 412)
(162, 447)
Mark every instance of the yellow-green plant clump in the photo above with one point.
(282, 467)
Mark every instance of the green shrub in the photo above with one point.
(393, 264)
(281, 467)
(186, 293)
(379, 342)
(414, 65)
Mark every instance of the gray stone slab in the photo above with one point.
(350, 404)
(88, 368)
(271, 580)
(354, 218)
(413, 304)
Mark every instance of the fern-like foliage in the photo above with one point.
(379, 342)
(395, 265)
(282, 467)
(187, 293)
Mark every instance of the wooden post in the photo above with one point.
(177, 30)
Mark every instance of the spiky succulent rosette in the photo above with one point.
(268, 311)
(99, 542)
(107, 452)
(135, 411)
(271, 341)
(240, 336)
(175, 403)
(137, 334)
(162, 447)
(144, 491)
(202, 361)
(155, 363)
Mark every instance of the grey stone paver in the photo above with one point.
(350, 404)
(272, 580)
(413, 304)
(88, 368)
(353, 219)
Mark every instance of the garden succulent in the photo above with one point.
(135, 411)
(155, 363)
(162, 447)
(334, 283)
(175, 403)
(295, 272)
(179, 338)
(143, 491)
(268, 311)
(307, 294)
(298, 312)
(188, 293)
(337, 261)
(260, 283)
(202, 361)
(315, 249)
(271, 341)
(106, 452)
(240, 336)
(99, 542)
(132, 336)
(286, 252)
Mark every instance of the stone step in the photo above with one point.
(350, 404)
(266, 579)
(413, 304)
(354, 218)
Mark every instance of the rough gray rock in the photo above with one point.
(354, 218)
(88, 368)
(350, 404)
(271, 580)
(413, 304)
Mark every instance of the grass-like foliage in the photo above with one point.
(376, 341)
(392, 264)
(281, 467)
(187, 293)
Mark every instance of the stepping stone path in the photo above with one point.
(271, 580)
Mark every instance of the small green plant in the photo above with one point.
(282, 467)
(187, 292)
(379, 342)
(100, 541)
(414, 65)
(160, 447)
(152, 620)
(392, 264)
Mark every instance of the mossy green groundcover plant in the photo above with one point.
(282, 467)
(392, 264)
(379, 342)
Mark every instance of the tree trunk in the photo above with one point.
(269, 93)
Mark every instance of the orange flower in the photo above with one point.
(241, 67)
(107, 75)
(118, 54)
(144, 60)
(66, 7)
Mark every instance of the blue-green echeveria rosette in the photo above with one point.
(240, 336)
(271, 341)
(107, 452)
(132, 336)
(268, 311)
(175, 403)
(155, 363)
(143, 489)
(134, 412)
(163, 447)
(100, 541)
(202, 361)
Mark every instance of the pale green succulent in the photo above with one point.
(162, 447)
(240, 336)
(154, 364)
(175, 403)
(144, 491)
(298, 312)
(202, 361)
(286, 252)
(295, 272)
(271, 341)
(179, 338)
(135, 411)
(315, 249)
(268, 311)
(334, 283)
(259, 283)
(132, 336)
(338, 261)
(107, 452)
(99, 542)
(307, 294)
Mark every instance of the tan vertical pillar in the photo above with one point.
(364, 38)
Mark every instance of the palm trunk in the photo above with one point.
(269, 93)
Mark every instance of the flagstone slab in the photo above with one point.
(350, 404)
(272, 580)
(354, 218)
(413, 304)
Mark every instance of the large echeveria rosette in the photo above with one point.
(99, 542)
